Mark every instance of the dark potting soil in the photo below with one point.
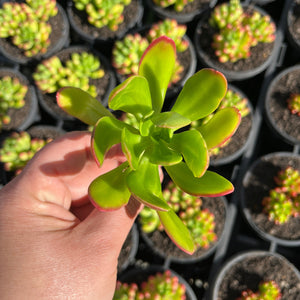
(56, 23)
(295, 21)
(260, 182)
(277, 104)
(165, 245)
(249, 272)
(80, 20)
(45, 132)
(18, 116)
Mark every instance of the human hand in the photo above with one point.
(53, 243)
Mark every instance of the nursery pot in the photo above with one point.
(293, 26)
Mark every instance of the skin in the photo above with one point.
(53, 243)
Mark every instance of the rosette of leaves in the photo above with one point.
(52, 74)
(18, 149)
(156, 142)
(102, 13)
(12, 95)
(25, 24)
(238, 31)
(294, 104)
(159, 286)
(267, 290)
(177, 4)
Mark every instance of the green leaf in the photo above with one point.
(109, 191)
(132, 96)
(157, 66)
(193, 148)
(81, 105)
(201, 94)
(220, 127)
(210, 184)
(144, 184)
(177, 231)
(170, 119)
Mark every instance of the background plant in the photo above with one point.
(18, 149)
(25, 24)
(238, 31)
(177, 4)
(102, 13)
(12, 95)
(159, 286)
(294, 104)
(51, 74)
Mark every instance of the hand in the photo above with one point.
(53, 243)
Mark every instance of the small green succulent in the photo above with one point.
(268, 290)
(51, 74)
(159, 286)
(294, 104)
(157, 141)
(177, 4)
(12, 95)
(18, 149)
(26, 24)
(102, 13)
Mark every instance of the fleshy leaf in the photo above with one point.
(193, 148)
(210, 184)
(177, 231)
(109, 191)
(220, 127)
(132, 96)
(81, 105)
(157, 66)
(170, 119)
(144, 184)
(201, 94)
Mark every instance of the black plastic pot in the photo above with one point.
(139, 275)
(22, 118)
(232, 71)
(247, 269)
(188, 14)
(257, 182)
(293, 25)
(285, 124)
(59, 38)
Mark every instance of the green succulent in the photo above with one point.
(238, 31)
(164, 286)
(12, 95)
(294, 104)
(18, 149)
(51, 74)
(177, 4)
(102, 13)
(26, 25)
(268, 290)
(157, 142)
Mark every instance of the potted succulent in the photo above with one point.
(127, 52)
(96, 21)
(233, 52)
(155, 143)
(18, 105)
(31, 30)
(76, 66)
(282, 105)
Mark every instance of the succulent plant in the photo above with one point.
(102, 13)
(283, 201)
(294, 104)
(238, 31)
(26, 24)
(159, 286)
(18, 149)
(268, 290)
(51, 74)
(177, 4)
(157, 141)
(12, 95)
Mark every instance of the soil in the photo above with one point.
(252, 270)
(164, 246)
(294, 22)
(131, 14)
(101, 84)
(258, 185)
(276, 105)
(18, 116)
